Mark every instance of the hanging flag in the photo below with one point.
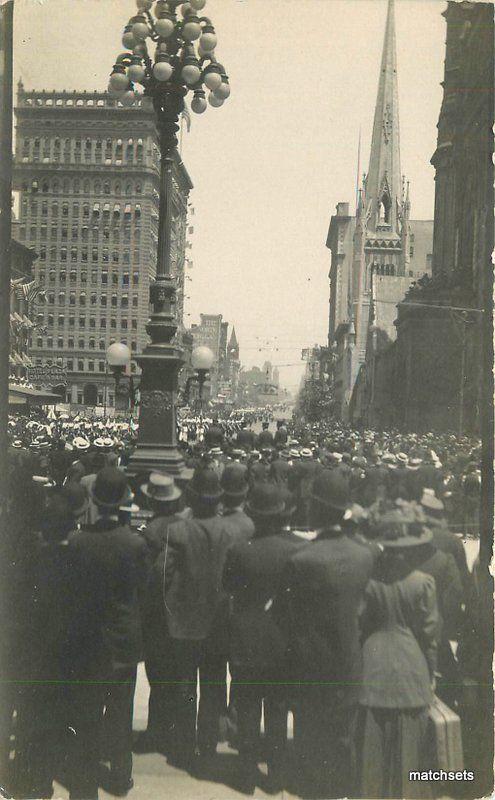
(14, 283)
(28, 291)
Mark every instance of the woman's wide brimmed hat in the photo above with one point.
(402, 526)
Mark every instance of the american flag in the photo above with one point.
(28, 291)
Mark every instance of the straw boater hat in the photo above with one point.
(103, 443)
(161, 488)
(80, 443)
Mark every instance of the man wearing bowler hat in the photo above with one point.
(189, 571)
(234, 482)
(258, 645)
(118, 559)
(164, 497)
(325, 585)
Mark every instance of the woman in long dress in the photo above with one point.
(399, 624)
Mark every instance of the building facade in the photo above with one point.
(444, 339)
(87, 171)
(24, 299)
(377, 252)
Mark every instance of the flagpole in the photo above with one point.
(358, 168)
(6, 37)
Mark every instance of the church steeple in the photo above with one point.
(233, 346)
(384, 179)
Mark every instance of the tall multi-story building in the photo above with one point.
(377, 252)
(444, 334)
(88, 171)
(209, 334)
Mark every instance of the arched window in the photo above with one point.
(65, 185)
(138, 188)
(55, 186)
(97, 187)
(106, 187)
(86, 187)
(128, 189)
(45, 187)
(384, 207)
(118, 188)
(77, 186)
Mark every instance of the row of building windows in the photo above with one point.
(80, 236)
(87, 150)
(76, 186)
(70, 344)
(94, 299)
(98, 211)
(61, 319)
(96, 277)
(97, 255)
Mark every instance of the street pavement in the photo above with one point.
(155, 778)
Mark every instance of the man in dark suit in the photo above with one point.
(265, 438)
(258, 646)
(118, 558)
(189, 572)
(324, 585)
(443, 538)
(281, 435)
(246, 438)
(234, 482)
(164, 498)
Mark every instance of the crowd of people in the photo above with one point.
(316, 565)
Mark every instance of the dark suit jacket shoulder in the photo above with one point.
(119, 558)
(325, 584)
(192, 566)
(252, 577)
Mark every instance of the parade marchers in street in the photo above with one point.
(298, 560)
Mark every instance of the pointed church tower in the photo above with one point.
(233, 347)
(384, 179)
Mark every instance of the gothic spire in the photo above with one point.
(233, 345)
(384, 179)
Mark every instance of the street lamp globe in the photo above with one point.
(118, 355)
(202, 358)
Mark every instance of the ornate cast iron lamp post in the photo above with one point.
(175, 69)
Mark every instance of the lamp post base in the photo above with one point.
(156, 448)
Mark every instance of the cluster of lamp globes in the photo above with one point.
(175, 55)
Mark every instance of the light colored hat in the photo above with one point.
(402, 458)
(17, 443)
(337, 456)
(306, 453)
(161, 488)
(80, 443)
(216, 451)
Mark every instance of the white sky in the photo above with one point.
(270, 165)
